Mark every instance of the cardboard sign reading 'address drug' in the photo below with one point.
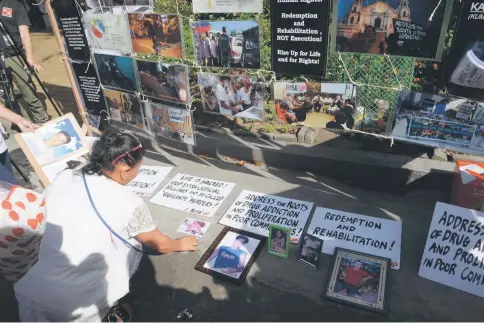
(375, 236)
(255, 212)
(192, 194)
(454, 252)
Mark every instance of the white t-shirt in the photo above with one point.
(242, 96)
(221, 95)
(83, 269)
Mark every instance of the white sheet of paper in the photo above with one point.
(375, 236)
(225, 6)
(255, 212)
(192, 194)
(148, 179)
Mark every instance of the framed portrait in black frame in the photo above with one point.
(359, 279)
(231, 255)
(310, 251)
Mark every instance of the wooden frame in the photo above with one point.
(270, 250)
(233, 235)
(361, 296)
(42, 167)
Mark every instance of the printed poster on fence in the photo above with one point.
(192, 194)
(227, 6)
(255, 212)
(108, 31)
(454, 252)
(375, 236)
(148, 179)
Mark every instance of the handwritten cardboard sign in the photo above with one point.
(454, 252)
(255, 212)
(192, 194)
(375, 236)
(148, 179)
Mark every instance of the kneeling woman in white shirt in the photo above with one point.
(93, 239)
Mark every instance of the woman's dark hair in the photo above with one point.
(113, 144)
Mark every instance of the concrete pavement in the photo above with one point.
(285, 290)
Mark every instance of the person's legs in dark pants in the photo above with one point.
(6, 161)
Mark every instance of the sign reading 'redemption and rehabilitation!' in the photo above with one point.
(375, 236)
(454, 252)
(255, 212)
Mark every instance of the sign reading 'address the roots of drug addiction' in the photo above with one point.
(255, 212)
(148, 179)
(375, 236)
(454, 252)
(192, 194)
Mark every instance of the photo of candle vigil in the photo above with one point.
(393, 27)
(156, 34)
(230, 43)
(116, 72)
(124, 107)
(322, 105)
(234, 95)
(162, 81)
(440, 121)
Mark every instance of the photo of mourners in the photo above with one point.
(439, 121)
(392, 27)
(167, 82)
(116, 72)
(231, 43)
(320, 105)
(124, 107)
(233, 95)
(359, 279)
(176, 124)
(156, 34)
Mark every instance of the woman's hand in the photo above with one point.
(187, 244)
(26, 125)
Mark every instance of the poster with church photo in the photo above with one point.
(412, 28)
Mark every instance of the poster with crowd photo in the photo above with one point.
(227, 6)
(320, 105)
(108, 31)
(72, 29)
(454, 251)
(234, 95)
(227, 43)
(464, 66)
(440, 121)
(393, 27)
(300, 32)
(124, 107)
(162, 81)
(172, 123)
(116, 72)
(156, 34)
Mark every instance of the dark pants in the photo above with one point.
(6, 161)
(351, 290)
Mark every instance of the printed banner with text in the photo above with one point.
(454, 252)
(192, 194)
(255, 212)
(300, 37)
(375, 236)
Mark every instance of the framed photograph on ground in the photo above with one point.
(156, 34)
(358, 279)
(116, 72)
(392, 27)
(59, 139)
(231, 255)
(236, 95)
(279, 241)
(171, 123)
(165, 82)
(310, 251)
(227, 43)
(196, 228)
